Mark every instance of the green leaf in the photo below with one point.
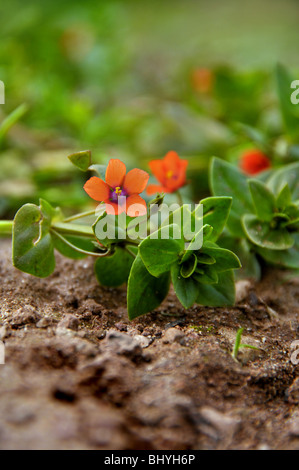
(199, 239)
(244, 250)
(204, 258)
(288, 174)
(186, 289)
(263, 235)
(176, 216)
(209, 276)
(293, 152)
(81, 160)
(292, 211)
(185, 219)
(160, 254)
(225, 259)
(32, 245)
(256, 136)
(114, 270)
(284, 258)
(263, 200)
(284, 198)
(189, 266)
(218, 295)
(227, 180)
(145, 292)
(69, 252)
(293, 224)
(199, 269)
(215, 213)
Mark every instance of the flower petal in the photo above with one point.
(115, 173)
(179, 177)
(183, 165)
(157, 169)
(136, 206)
(97, 189)
(155, 188)
(181, 174)
(135, 181)
(113, 208)
(171, 161)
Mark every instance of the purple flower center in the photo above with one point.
(116, 193)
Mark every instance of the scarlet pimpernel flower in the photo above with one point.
(120, 190)
(202, 80)
(170, 172)
(254, 161)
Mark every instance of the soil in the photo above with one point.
(79, 375)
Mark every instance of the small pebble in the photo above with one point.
(69, 321)
(173, 335)
(242, 290)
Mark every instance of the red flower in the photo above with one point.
(170, 172)
(202, 80)
(121, 191)
(254, 161)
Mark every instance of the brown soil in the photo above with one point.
(79, 375)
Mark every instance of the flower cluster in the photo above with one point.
(121, 191)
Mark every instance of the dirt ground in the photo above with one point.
(79, 375)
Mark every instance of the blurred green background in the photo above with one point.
(133, 79)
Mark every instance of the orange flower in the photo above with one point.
(170, 172)
(254, 161)
(202, 80)
(120, 191)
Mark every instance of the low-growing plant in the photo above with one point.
(133, 242)
(264, 219)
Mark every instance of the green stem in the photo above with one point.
(130, 241)
(180, 199)
(79, 216)
(79, 250)
(74, 229)
(6, 228)
(130, 252)
(11, 119)
(237, 343)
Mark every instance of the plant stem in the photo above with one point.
(79, 250)
(237, 343)
(11, 119)
(180, 199)
(130, 252)
(79, 216)
(74, 229)
(6, 228)
(130, 241)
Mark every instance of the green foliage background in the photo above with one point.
(116, 77)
